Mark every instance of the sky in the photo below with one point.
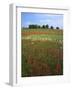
(55, 20)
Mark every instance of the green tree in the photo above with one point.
(43, 26)
(51, 27)
(47, 26)
(57, 27)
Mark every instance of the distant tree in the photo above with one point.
(51, 27)
(30, 26)
(57, 27)
(43, 26)
(38, 26)
(47, 26)
(35, 26)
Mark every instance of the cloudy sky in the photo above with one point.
(41, 18)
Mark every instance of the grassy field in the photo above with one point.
(42, 52)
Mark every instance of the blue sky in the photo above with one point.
(41, 18)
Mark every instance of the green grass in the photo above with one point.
(44, 37)
(41, 53)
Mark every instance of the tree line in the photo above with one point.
(32, 26)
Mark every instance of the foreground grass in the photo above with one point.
(42, 57)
